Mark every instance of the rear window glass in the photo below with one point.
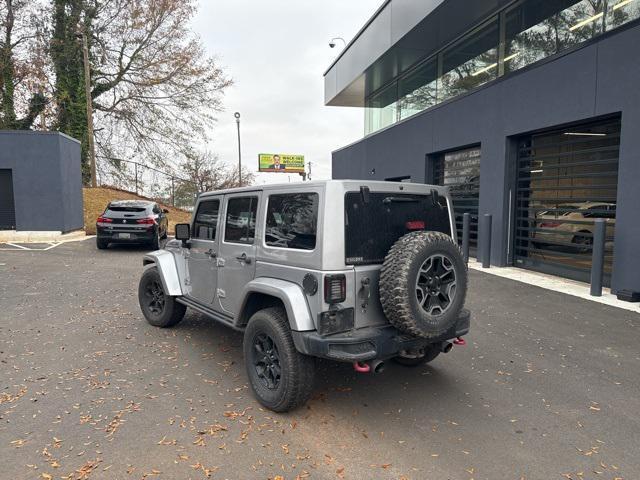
(126, 209)
(292, 220)
(372, 228)
(240, 223)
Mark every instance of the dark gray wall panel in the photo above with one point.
(46, 169)
(599, 79)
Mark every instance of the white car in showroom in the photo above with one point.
(571, 225)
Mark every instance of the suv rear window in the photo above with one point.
(372, 228)
(292, 221)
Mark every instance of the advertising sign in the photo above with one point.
(280, 162)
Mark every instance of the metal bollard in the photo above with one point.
(466, 231)
(485, 240)
(597, 257)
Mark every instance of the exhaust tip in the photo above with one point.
(446, 347)
(377, 366)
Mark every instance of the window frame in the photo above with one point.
(264, 224)
(255, 196)
(195, 217)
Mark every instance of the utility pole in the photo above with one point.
(87, 88)
(237, 115)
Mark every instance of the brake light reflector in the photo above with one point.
(102, 219)
(335, 288)
(415, 225)
(146, 221)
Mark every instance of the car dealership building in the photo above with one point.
(528, 110)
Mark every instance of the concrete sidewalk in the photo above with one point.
(11, 236)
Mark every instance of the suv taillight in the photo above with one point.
(146, 221)
(102, 219)
(335, 288)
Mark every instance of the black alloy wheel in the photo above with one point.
(266, 361)
(155, 297)
(436, 284)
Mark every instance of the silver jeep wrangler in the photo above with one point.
(353, 271)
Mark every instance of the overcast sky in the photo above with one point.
(276, 52)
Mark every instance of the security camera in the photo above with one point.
(332, 44)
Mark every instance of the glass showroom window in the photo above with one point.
(471, 62)
(418, 90)
(621, 11)
(536, 29)
(381, 109)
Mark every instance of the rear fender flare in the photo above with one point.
(165, 262)
(289, 293)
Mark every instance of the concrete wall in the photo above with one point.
(47, 180)
(599, 79)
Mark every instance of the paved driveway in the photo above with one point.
(547, 388)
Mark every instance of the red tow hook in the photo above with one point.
(460, 341)
(361, 367)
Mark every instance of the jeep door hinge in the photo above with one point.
(221, 293)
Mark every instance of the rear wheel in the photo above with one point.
(281, 377)
(101, 243)
(160, 309)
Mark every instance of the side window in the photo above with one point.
(206, 222)
(156, 210)
(240, 224)
(292, 221)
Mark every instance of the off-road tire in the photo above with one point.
(101, 243)
(171, 312)
(397, 286)
(297, 371)
(431, 353)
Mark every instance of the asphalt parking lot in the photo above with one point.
(548, 387)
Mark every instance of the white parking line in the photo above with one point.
(23, 248)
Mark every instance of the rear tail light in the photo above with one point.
(415, 225)
(335, 288)
(102, 219)
(550, 224)
(146, 221)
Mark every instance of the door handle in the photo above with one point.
(211, 253)
(244, 258)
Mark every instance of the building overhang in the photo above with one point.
(398, 35)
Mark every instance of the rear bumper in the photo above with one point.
(371, 342)
(135, 235)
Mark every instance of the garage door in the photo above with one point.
(7, 208)
(566, 179)
(460, 171)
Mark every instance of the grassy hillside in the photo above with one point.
(96, 199)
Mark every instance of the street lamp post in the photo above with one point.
(87, 88)
(237, 115)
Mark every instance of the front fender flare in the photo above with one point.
(291, 295)
(165, 262)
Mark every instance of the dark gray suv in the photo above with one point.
(132, 221)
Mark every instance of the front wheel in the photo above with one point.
(160, 309)
(281, 377)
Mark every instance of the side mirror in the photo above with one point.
(164, 210)
(183, 232)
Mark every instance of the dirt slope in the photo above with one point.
(96, 199)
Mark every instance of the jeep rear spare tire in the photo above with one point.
(423, 283)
